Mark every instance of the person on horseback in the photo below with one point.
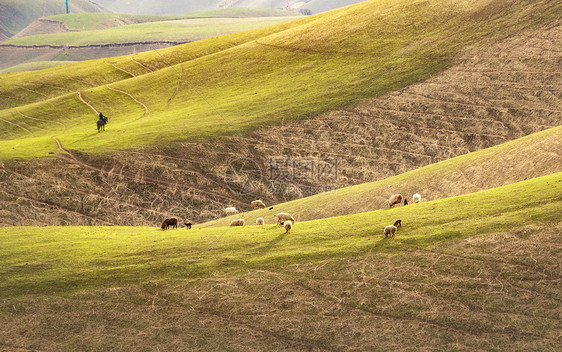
(102, 121)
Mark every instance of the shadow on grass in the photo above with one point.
(271, 244)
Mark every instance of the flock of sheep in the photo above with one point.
(284, 219)
(288, 221)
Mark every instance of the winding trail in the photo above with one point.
(177, 87)
(141, 65)
(120, 69)
(85, 102)
(132, 97)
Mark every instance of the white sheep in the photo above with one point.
(288, 226)
(231, 211)
(416, 198)
(238, 222)
(395, 199)
(257, 204)
(282, 217)
(389, 230)
(259, 221)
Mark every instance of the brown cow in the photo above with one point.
(170, 222)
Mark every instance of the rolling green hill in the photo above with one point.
(475, 271)
(187, 30)
(266, 80)
(17, 14)
(532, 156)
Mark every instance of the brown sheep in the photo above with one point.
(188, 225)
(259, 221)
(231, 211)
(239, 222)
(395, 199)
(389, 230)
(257, 204)
(170, 222)
(282, 217)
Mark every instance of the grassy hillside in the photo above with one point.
(92, 21)
(248, 85)
(157, 7)
(535, 155)
(476, 271)
(176, 31)
(34, 66)
(17, 14)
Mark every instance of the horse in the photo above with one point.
(101, 123)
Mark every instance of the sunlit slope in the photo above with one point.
(91, 21)
(179, 30)
(331, 60)
(63, 260)
(531, 156)
(17, 14)
(22, 88)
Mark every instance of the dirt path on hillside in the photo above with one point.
(88, 104)
(141, 65)
(69, 156)
(132, 97)
(120, 69)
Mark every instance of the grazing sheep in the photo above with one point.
(398, 223)
(231, 211)
(259, 221)
(395, 199)
(257, 204)
(416, 198)
(239, 222)
(188, 225)
(170, 222)
(405, 201)
(282, 217)
(288, 226)
(389, 230)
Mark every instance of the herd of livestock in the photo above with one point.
(287, 220)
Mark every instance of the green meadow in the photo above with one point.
(181, 30)
(65, 260)
(239, 82)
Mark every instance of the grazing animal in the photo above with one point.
(282, 217)
(389, 230)
(259, 221)
(416, 198)
(288, 226)
(398, 223)
(395, 199)
(405, 201)
(257, 204)
(188, 225)
(231, 211)
(239, 222)
(170, 222)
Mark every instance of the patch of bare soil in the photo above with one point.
(498, 292)
(496, 93)
(42, 26)
(11, 55)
